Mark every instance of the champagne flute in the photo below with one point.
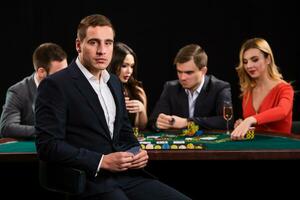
(227, 114)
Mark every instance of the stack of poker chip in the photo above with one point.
(249, 135)
(192, 128)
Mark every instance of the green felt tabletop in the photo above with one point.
(18, 146)
(221, 143)
(258, 143)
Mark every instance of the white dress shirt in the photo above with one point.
(105, 97)
(104, 94)
(192, 96)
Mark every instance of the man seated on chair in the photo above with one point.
(194, 97)
(82, 122)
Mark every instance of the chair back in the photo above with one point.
(61, 179)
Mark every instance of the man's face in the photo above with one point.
(95, 50)
(189, 74)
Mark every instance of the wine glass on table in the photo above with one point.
(227, 114)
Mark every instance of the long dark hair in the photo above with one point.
(121, 50)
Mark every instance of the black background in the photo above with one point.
(156, 30)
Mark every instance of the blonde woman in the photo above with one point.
(267, 98)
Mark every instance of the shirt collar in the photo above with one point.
(199, 87)
(36, 79)
(104, 74)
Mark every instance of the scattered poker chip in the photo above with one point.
(166, 146)
(190, 146)
(170, 141)
(199, 132)
(192, 128)
(135, 131)
(199, 147)
(185, 132)
(149, 146)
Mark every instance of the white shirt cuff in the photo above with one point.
(98, 169)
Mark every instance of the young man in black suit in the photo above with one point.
(82, 122)
(195, 96)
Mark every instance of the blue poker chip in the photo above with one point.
(166, 146)
(199, 132)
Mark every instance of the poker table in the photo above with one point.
(263, 146)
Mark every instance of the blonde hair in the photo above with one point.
(246, 82)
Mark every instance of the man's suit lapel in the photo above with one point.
(202, 96)
(90, 95)
(183, 97)
(117, 99)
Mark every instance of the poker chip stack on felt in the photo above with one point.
(250, 135)
(192, 128)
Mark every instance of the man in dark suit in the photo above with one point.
(194, 97)
(17, 119)
(82, 122)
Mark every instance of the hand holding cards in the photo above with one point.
(140, 159)
(135, 150)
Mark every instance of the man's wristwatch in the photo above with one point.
(172, 121)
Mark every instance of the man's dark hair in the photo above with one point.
(92, 20)
(192, 52)
(46, 53)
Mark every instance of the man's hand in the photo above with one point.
(170, 122)
(180, 122)
(118, 161)
(164, 121)
(140, 160)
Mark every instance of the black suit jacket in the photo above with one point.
(208, 113)
(17, 118)
(71, 126)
